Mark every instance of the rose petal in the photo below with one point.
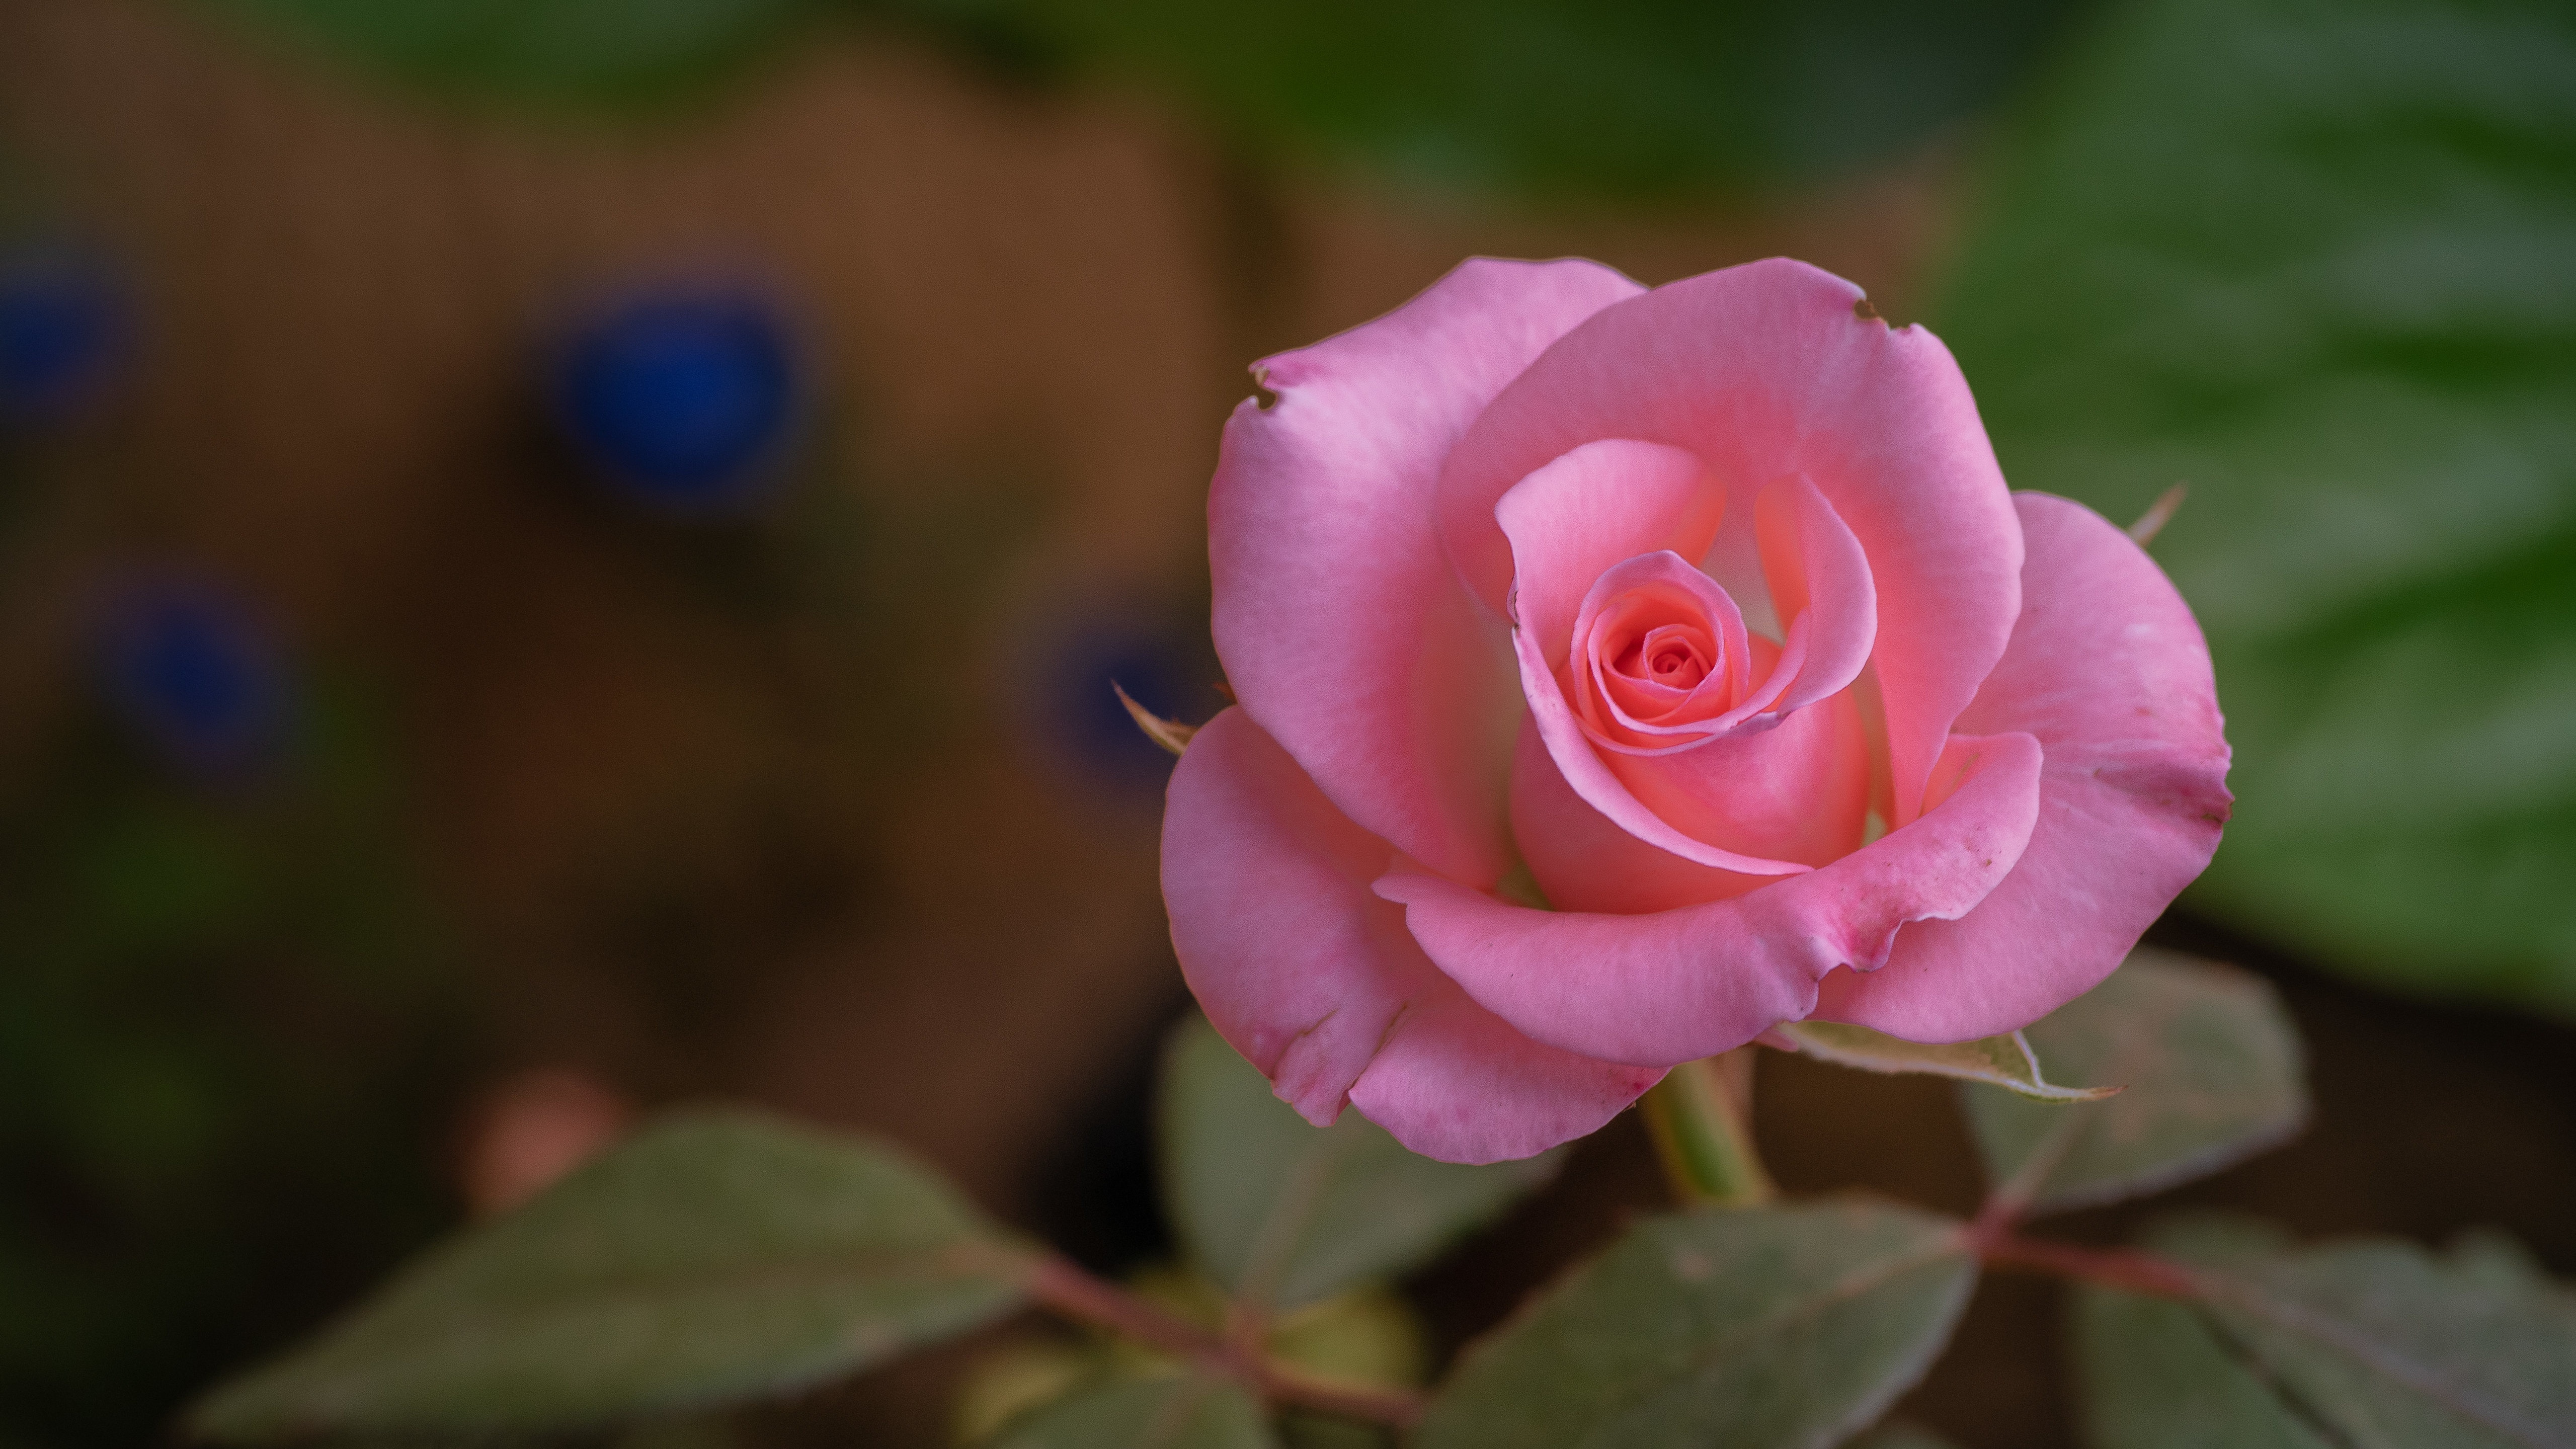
(1340, 621)
(2109, 672)
(1680, 984)
(1266, 885)
(1820, 584)
(1662, 583)
(1456, 1082)
(1819, 581)
(1583, 862)
(1763, 371)
(1796, 792)
(1603, 502)
(1572, 747)
(1676, 703)
(1316, 981)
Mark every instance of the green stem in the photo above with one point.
(1698, 1118)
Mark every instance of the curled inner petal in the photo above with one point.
(1820, 583)
(1587, 510)
(1650, 610)
(1676, 656)
(1660, 709)
(1580, 765)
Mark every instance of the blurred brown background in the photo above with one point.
(787, 809)
(1032, 315)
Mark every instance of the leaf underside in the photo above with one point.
(1174, 1411)
(2213, 1073)
(2361, 1345)
(1284, 1214)
(1749, 1327)
(713, 1257)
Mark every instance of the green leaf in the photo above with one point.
(1998, 1061)
(2153, 1375)
(1302, 1430)
(1748, 1327)
(583, 52)
(1172, 1411)
(1899, 1435)
(716, 1256)
(2360, 1345)
(2212, 1070)
(1552, 95)
(1284, 1214)
(2311, 258)
(696, 1432)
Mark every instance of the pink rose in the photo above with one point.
(1625, 672)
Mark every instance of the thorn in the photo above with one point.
(2158, 514)
(1171, 734)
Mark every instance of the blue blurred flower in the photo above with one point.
(1080, 714)
(686, 400)
(62, 331)
(193, 671)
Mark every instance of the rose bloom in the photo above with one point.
(1624, 672)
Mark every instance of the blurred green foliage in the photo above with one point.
(551, 52)
(1632, 96)
(227, 1047)
(2314, 259)
(1637, 96)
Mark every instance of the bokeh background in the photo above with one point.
(562, 556)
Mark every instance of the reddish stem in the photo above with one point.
(1070, 1291)
(2123, 1268)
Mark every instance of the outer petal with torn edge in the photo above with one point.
(1316, 981)
(1343, 628)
